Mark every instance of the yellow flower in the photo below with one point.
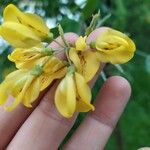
(25, 85)
(32, 21)
(53, 69)
(86, 63)
(27, 58)
(23, 29)
(114, 47)
(73, 95)
(80, 43)
(25, 89)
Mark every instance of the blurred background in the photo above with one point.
(129, 16)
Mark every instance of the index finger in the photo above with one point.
(97, 127)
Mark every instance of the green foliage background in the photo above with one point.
(129, 16)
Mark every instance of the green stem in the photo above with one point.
(103, 76)
(67, 55)
(61, 32)
(119, 68)
(101, 22)
(93, 24)
(38, 69)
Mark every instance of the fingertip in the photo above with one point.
(70, 38)
(94, 34)
(100, 123)
(112, 100)
(118, 84)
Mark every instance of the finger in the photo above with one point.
(94, 34)
(70, 37)
(10, 122)
(94, 132)
(45, 128)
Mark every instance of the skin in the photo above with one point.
(42, 127)
(144, 148)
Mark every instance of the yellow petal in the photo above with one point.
(80, 44)
(75, 59)
(16, 81)
(8, 15)
(35, 62)
(26, 58)
(12, 85)
(53, 65)
(65, 96)
(17, 85)
(90, 65)
(37, 24)
(114, 47)
(82, 106)
(20, 54)
(20, 96)
(4, 92)
(32, 93)
(46, 78)
(32, 21)
(86, 63)
(84, 94)
(18, 35)
(16, 74)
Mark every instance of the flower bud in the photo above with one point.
(32, 21)
(114, 47)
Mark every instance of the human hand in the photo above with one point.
(42, 128)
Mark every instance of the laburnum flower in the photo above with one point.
(85, 60)
(25, 85)
(114, 47)
(29, 57)
(25, 89)
(23, 30)
(73, 95)
(53, 69)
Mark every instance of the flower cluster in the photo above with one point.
(38, 65)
